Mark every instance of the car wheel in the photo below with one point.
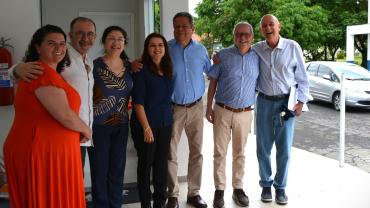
(336, 101)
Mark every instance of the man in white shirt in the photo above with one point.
(79, 74)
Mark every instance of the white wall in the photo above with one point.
(19, 19)
(168, 9)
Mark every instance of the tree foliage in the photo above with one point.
(318, 25)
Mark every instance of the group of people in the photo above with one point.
(65, 99)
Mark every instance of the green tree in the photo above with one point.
(341, 14)
(303, 23)
(157, 17)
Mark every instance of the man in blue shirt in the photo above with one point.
(190, 61)
(235, 79)
(281, 67)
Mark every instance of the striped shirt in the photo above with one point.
(236, 77)
(281, 68)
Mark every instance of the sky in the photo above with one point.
(192, 5)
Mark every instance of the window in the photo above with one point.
(312, 69)
(324, 70)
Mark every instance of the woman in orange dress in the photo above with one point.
(42, 151)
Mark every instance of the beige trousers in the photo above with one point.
(190, 119)
(228, 124)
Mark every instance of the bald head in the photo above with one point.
(270, 29)
(270, 17)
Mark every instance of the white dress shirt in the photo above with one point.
(82, 80)
(281, 68)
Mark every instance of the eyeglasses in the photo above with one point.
(120, 40)
(89, 35)
(239, 35)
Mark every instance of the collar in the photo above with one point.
(236, 50)
(281, 44)
(74, 53)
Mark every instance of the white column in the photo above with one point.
(350, 46)
(168, 9)
(368, 36)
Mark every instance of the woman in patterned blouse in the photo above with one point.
(112, 89)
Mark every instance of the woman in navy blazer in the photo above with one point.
(152, 120)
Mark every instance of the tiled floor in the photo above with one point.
(314, 181)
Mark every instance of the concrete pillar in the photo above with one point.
(368, 36)
(168, 9)
(350, 46)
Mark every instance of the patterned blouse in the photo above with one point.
(111, 94)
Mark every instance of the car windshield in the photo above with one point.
(354, 72)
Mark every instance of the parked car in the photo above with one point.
(325, 83)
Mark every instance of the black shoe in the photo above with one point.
(196, 201)
(172, 202)
(218, 200)
(266, 195)
(280, 197)
(158, 205)
(240, 198)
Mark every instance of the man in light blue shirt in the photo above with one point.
(234, 82)
(281, 67)
(190, 60)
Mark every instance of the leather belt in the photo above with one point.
(188, 105)
(273, 97)
(235, 110)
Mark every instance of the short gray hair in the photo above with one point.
(243, 23)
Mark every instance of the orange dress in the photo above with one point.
(42, 157)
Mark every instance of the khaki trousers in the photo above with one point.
(228, 124)
(190, 119)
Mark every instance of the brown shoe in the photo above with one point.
(196, 201)
(172, 202)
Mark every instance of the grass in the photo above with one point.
(358, 60)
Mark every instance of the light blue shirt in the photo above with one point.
(189, 64)
(281, 68)
(236, 77)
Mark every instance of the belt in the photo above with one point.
(235, 110)
(188, 105)
(273, 97)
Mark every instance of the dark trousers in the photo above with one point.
(107, 164)
(152, 158)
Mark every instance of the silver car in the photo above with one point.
(325, 79)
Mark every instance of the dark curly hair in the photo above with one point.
(166, 62)
(109, 29)
(37, 38)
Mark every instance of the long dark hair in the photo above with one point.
(109, 29)
(166, 62)
(37, 38)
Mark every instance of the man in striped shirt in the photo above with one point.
(281, 67)
(233, 84)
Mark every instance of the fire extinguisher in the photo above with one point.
(6, 85)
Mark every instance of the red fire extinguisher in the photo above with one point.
(6, 86)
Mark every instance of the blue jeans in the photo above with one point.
(271, 128)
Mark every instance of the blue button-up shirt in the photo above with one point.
(189, 64)
(236, 77)
(281, 68)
